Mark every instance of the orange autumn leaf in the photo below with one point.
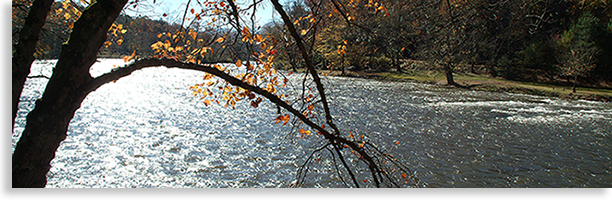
(258, 38)
(284, 118)
(304, 132)
(219, 40)
(238, 63)
(130, 57)
(107, 44)
(193, 34)
(254, 104)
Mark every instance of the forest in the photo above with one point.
(554, 41)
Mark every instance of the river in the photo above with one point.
(147, 130)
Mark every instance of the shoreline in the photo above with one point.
(485, 83)
(477, 82)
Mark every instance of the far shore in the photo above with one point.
(484, 83)
(481, 83)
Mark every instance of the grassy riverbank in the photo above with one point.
(486, 83)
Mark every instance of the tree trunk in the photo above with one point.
(397, 64)
(70, 83)
(24, 51)
(574, 85)
(449, 75)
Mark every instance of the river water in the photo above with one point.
(147, 130)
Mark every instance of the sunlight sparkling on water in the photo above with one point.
(147, 130)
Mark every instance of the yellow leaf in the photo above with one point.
(238, 63)
(67, 16)
(270, 88)
(166, 44)
(129, 58)
(246, 32)
(304, 132)
(107, 44)
(156, 45)
(206, 102)
(258, 38)
(193, 34)
(304, 32)
(284, 118)
(219, 40)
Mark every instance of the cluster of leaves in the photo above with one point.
(256, 70)
(215, 35)
(188, 45)
(60, 20)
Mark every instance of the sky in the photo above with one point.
(176, 8)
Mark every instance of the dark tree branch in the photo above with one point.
(336, 138)
(308, 62)
(25, 48)
(171, 63)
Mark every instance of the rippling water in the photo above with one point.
(147, 130)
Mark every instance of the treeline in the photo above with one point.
(139, 34)
(555, 41)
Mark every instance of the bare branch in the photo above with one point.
(336, 138)
(308, 62)
(171, 63)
